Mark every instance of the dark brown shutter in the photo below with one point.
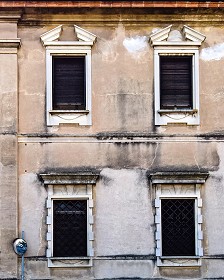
(176, 82)
(69, 83)
(70, 228)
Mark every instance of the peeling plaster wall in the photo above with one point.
(122, 92)
(32, 196)
(8, 150)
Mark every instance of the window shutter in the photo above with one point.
(69, 83)
(176, 82)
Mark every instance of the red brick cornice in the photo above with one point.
(112, 4)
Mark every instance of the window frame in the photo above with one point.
(81, 47)
(164, 75)
(87, 198)
(55, 117)
(194, 222)
(184, 42)
(178, 185)
(73, 61)
(165, 116)
(76, 186)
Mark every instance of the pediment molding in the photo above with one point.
(52, 37)
(187, 36)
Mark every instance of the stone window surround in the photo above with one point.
(178, 185)
(82, 47)
(163, 44)
(70, 186)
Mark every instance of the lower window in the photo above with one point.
(69, 220)
(69, 228)
(178, 217)
(178, 227)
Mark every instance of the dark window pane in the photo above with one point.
(176, 82)
(68, 83)
(70, 228)
(178, 227)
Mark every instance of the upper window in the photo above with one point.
(68, 87)
(176, 82)
(176, 76)
(178, 218)
(68, 77)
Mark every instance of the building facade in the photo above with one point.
(112, 143)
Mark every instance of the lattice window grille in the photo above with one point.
(70, 192)
(176, 192)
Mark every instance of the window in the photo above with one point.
(176, 75)
(68, 77)
(178, 227)
(178, 217)
(68, 83)
(70, 228)
(70, 219)
(176, 82)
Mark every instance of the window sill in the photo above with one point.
(184, 261)
(178, 111)
(178, 116)
(70, 262)
(180, 257)
(81, 117)
(69, 111)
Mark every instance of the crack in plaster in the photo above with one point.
(40, 234)
(196, 162)
(157, 145)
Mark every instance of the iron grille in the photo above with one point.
(70, 228)
(178, 227)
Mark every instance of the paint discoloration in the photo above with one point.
(135, 44)
(215, 52)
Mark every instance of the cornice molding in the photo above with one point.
(113, 4)
(178, 177)
(10, 16)
(70, 179)
(10, 43)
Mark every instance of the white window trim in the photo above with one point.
(182, 185)
(68, 48)
(176, 48)
(77, 186)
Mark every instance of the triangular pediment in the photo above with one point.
(54, 34)
(186, 35)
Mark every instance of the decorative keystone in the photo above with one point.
(84, 35)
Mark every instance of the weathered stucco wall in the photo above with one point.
(123, 143)
(8, 149)
(122, 80)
